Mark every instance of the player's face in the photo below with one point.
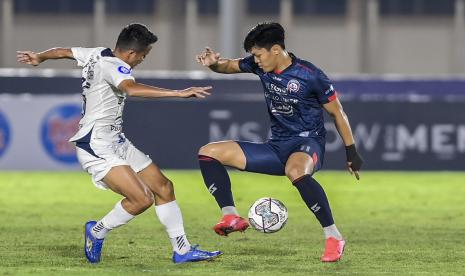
(135, 58)
(266, 59)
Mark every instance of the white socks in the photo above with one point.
(170, 216)
(115, 218)
(229, 210)
(331, 231)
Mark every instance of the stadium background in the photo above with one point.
(399, 67)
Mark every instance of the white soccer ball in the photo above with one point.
(268, 215)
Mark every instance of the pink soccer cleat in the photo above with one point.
(229, 224)
(333, 250)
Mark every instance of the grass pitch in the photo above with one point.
(394, 223)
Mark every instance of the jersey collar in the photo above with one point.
(293, 57)
(107, 53)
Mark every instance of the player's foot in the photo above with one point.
(229, 224)
(333, 250)
(92, 245)
(195, 255)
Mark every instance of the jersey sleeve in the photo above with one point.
(115, 72)
(248, 65)
(323, 88)
(81, 55)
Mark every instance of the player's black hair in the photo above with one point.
(135, 37)
(265, 35)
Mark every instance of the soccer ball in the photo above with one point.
(268, 215)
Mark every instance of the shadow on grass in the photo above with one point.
(265, 251)
(65, 251)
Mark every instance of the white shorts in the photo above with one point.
(98, 156)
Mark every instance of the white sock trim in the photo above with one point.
(332, 231)
(229, 210)
(117, 217)
(170, 216)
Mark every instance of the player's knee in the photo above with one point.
(144, 202)
(210, 151)
(167, 189)
(294, 172)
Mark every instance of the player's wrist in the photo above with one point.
(351, 152)
(354, 157)
(40, 57)
(213, 66)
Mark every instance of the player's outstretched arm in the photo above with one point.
(34, 59)
(354, 160)
(134, 89)
(213, 61)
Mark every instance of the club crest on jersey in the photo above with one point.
(124, 70)
(293, 86)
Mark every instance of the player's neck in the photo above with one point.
(120, 55)
(284, 61)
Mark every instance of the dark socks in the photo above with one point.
(216, 179)
(315, 198)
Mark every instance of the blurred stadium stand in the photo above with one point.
(341, 36)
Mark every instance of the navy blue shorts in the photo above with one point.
(271, 157)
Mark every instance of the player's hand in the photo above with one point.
(195, 92)
(28, 57)
(354, 161)
(208, 57)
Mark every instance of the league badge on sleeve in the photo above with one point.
(124, 70)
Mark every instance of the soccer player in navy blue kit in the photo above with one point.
(296, 93)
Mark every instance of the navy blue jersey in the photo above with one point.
(294, 97)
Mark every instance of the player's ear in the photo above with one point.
(275, 49)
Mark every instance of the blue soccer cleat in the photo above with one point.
(195, 255)
(92, 245)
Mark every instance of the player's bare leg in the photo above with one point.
(299, 169)
(158, 184)
(124, 181)
(170, 216)
(212, 159)
(137, 198)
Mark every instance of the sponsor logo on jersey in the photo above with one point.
(4, 134)
(58, 125)
(274, 88)
(293, 86)
(124, 70)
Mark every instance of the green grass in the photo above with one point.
(394, 223)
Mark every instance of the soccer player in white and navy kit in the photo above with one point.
(106, 154)
(296, 93)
